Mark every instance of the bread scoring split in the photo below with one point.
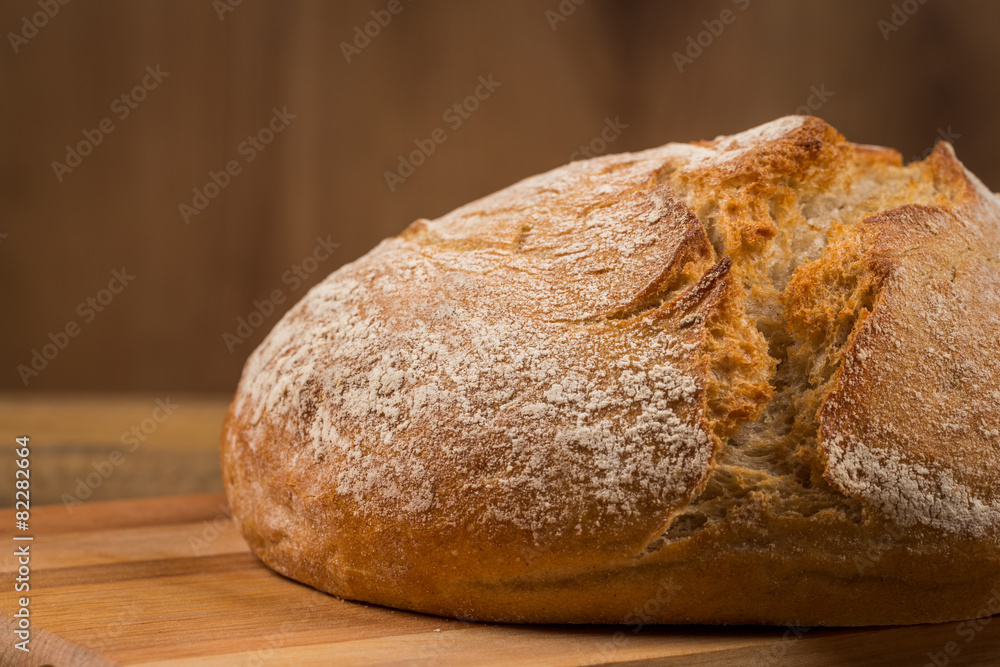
(742, 362)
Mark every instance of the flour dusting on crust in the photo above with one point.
(520, 361)
(537, 360)
(909, 492)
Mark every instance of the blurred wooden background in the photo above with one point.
(324, 174)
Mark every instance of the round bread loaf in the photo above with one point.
(751, 380)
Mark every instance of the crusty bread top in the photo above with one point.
(576, 363)
(498, 366)
(912, 424)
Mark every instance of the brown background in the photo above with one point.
(323, 175)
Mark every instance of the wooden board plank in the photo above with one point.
(88, 447)
(180, 422)
(169, 582)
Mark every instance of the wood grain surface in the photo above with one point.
(169, 581)
(157, 444)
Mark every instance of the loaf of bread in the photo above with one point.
(749, 380)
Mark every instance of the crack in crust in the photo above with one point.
(843, 215)
(740, 359)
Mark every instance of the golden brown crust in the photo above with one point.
(911, 425)
(660, 377)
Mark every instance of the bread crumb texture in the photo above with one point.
(603, 361)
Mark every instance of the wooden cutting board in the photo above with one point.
(169, 581)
